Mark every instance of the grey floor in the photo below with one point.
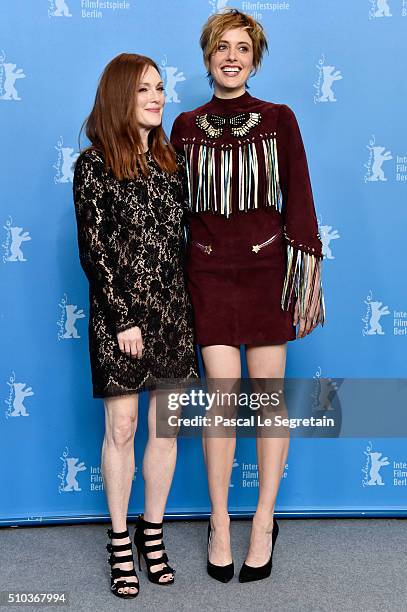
(319, 565)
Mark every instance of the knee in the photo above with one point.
(122, 433)
(163, 445)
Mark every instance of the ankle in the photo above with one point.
(220, 528)
(264, 519)
(220, 520)
(118, 528)
(152, 517)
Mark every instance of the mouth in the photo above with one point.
(231, 71)
(153, 110)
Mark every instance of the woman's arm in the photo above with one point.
(304, 248)
(176, 134)
(95, 239)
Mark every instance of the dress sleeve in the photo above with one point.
(303, 279)
(95, 240)
(184, 184)
(176, 141)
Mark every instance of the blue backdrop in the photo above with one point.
(339, 66)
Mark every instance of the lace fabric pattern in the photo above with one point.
(131, 248)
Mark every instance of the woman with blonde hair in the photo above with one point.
(254, 259)
(129, 203)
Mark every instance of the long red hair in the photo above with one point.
(112, 127)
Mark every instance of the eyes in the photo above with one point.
(241, 48)
(159, 88)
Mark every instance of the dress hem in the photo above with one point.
(265, 342)
(148, 384)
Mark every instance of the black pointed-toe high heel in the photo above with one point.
(249, 574)
(119, 578)
(223, 573)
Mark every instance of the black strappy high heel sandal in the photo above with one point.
(223, 573)
(117, 572)
(141, 540)
(249, 574)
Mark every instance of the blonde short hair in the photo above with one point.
(226, 20)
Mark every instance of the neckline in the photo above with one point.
(231, 103)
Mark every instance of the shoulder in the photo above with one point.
(199, 110)
(90, 172)
(272, 110)
(90, 159)
(90, 168)
(286, 115)
(280, 111)
(188, 118)
(182, 122)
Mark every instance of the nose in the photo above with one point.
(232, 54)
(154, 96)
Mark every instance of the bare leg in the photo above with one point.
(158, 470)
(221, 362)
(118, 465)
(266, 362)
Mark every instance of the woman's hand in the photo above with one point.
(131, 342)
(306, 325)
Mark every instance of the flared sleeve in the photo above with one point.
(303, 278)
(97, 240)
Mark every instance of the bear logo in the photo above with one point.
(376, 464)
(11, 76)
(327, 234)
(68, 159)
(20, 393)
(71, 316)
(172, 77)
(377, 311)
(218, 5)
(61, 9)
(380, 155)
(382, 9)
(17, 237)
(73, 468)
(329, 78)
(327, 389)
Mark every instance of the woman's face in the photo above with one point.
(232, 62)
(150, 99)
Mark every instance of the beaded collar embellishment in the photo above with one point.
(238, 125)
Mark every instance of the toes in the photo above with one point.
(166, 577)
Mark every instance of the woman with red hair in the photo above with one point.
(129, 203)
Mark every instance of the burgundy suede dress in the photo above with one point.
(254, 246)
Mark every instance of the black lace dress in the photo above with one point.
(131, 247)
